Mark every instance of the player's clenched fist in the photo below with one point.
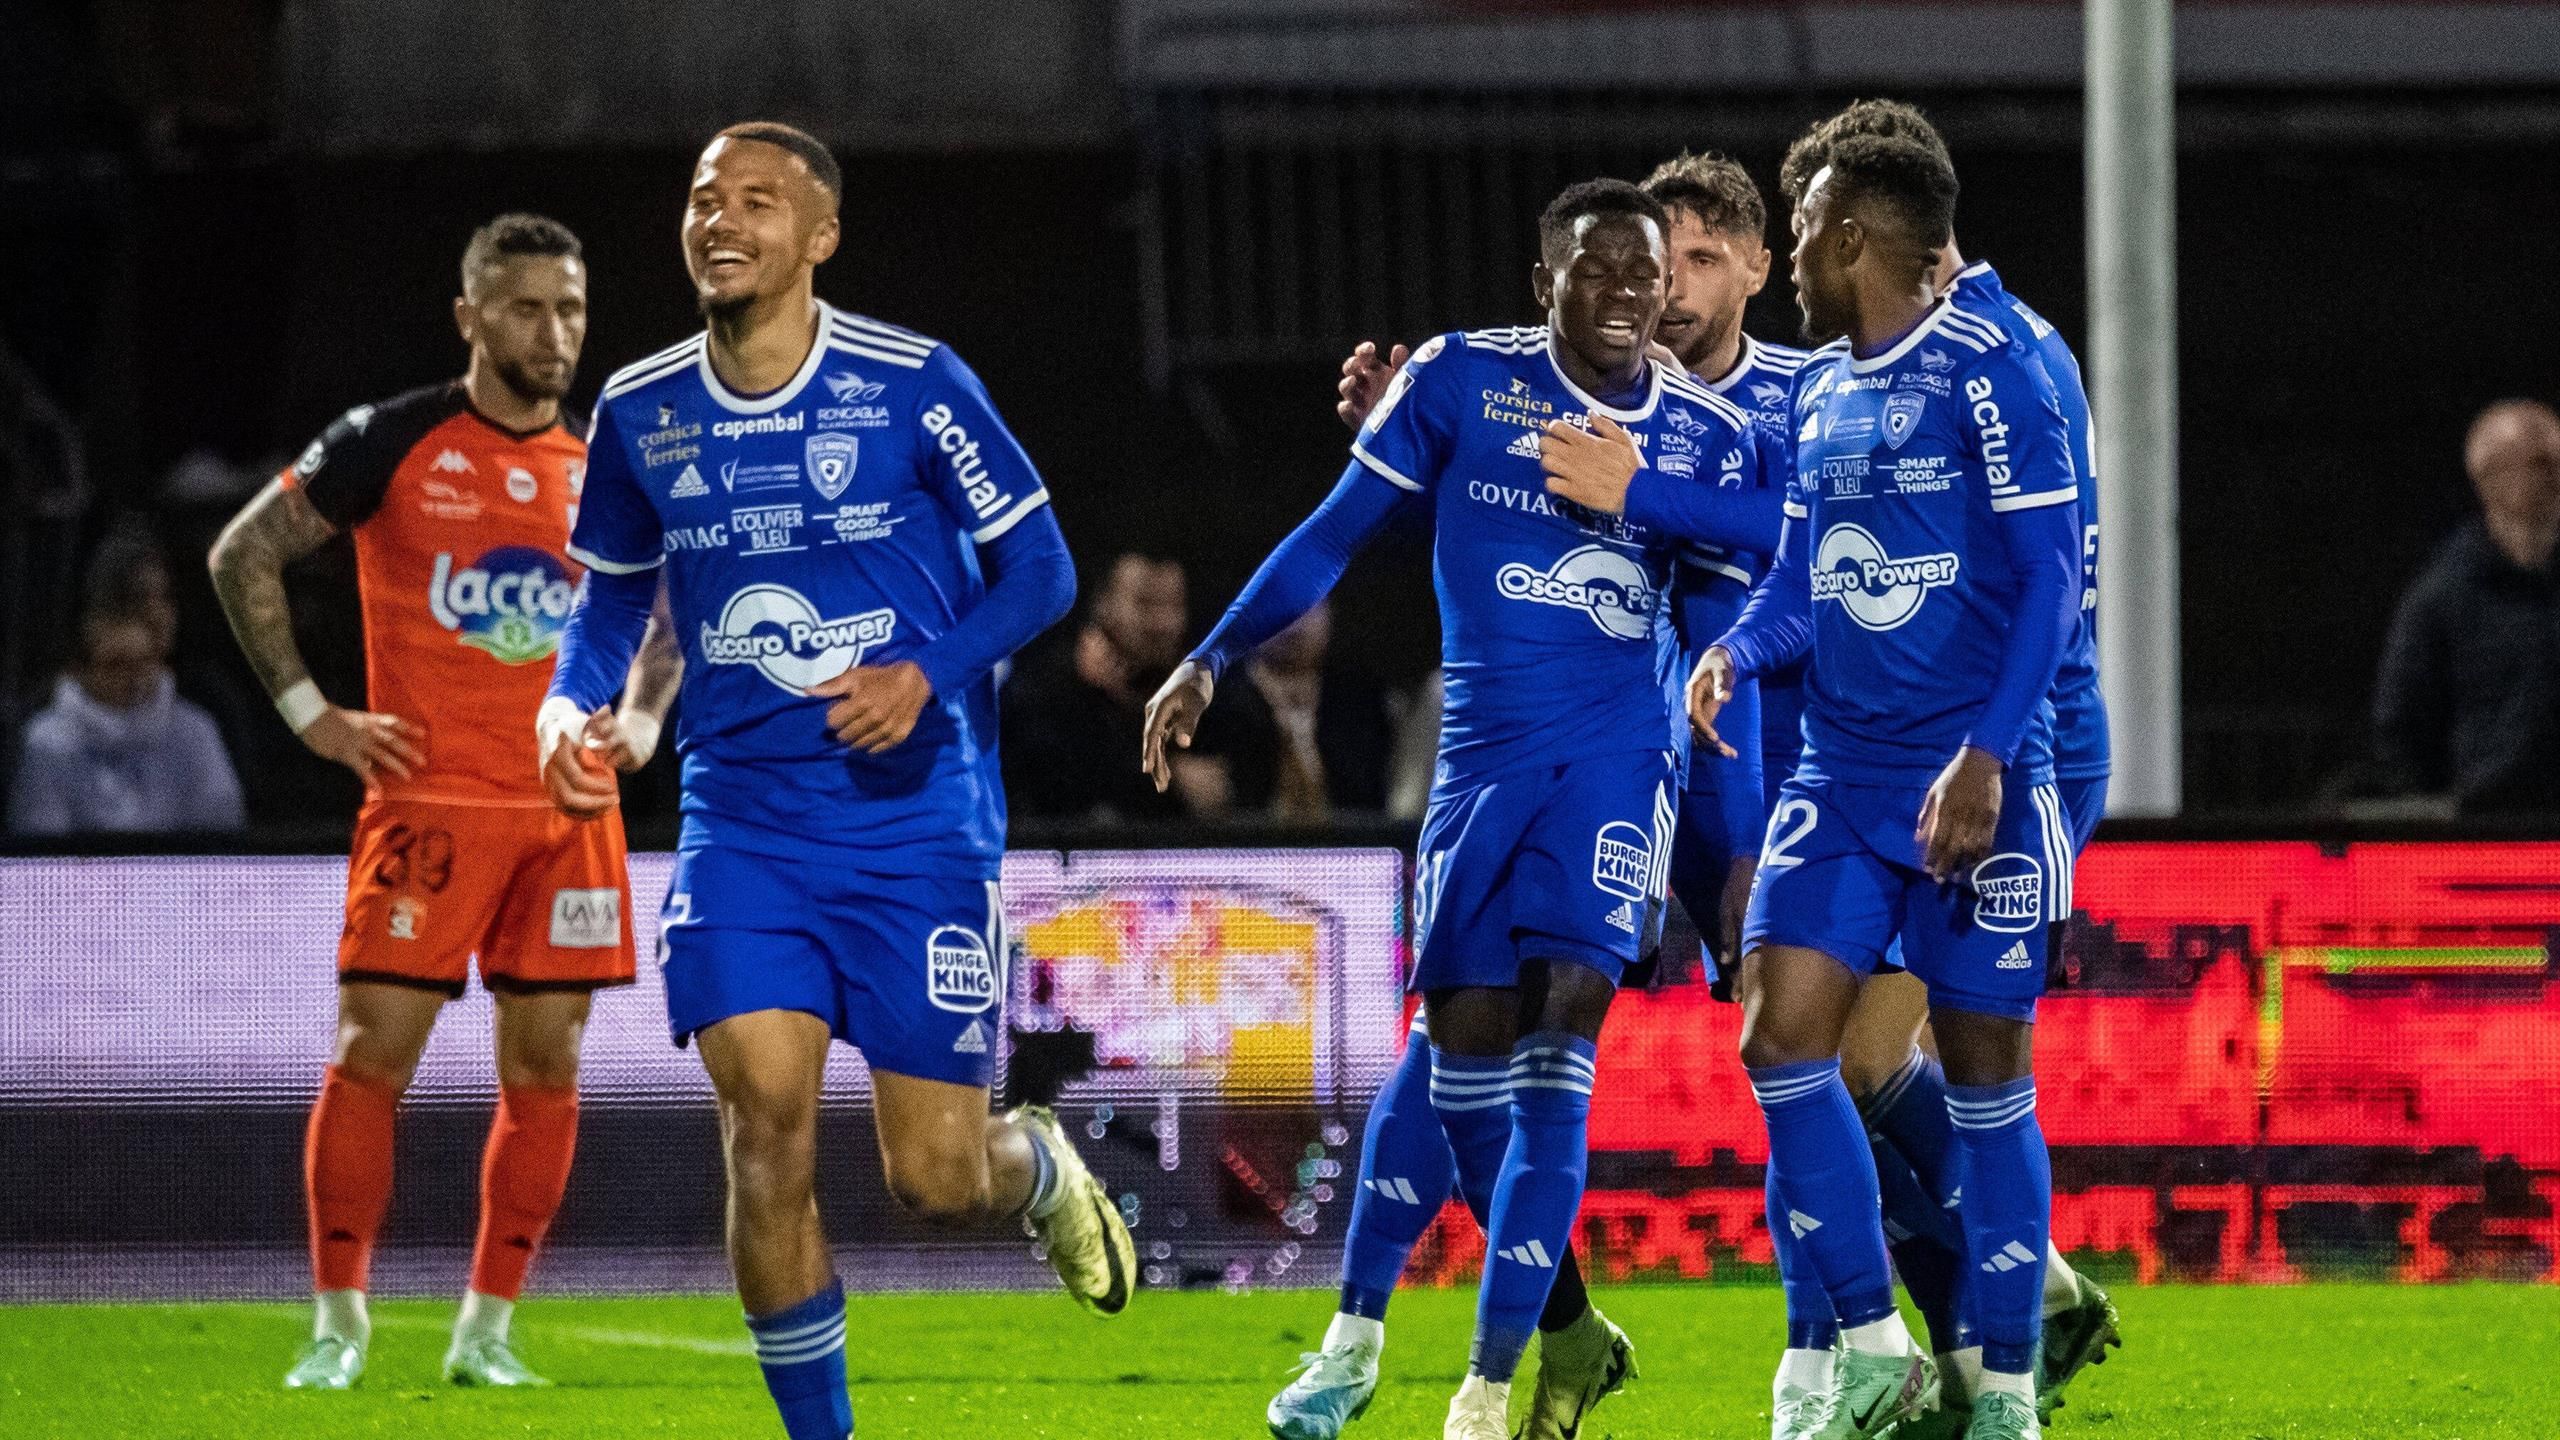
(1960, 816)
(1364, 380)
(1174, 714)
(365, 742)
(876, 705)
(578, 757)
(1592, 468)
(1710, 686)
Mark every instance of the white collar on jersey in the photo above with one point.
(1652, 388)
(1928, 323)
(737, 404)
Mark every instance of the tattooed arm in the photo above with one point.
(630, 735)
(278, 526)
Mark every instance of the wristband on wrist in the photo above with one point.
(300, 704)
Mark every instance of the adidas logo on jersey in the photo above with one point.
(689, 485)
(1530, 1253)
(1801, 1223)
(1525, 447)
(454, 462)
(2017, 958)
(972, 1041)
(1394, 1188)
(2011, 1256)
(1624, 917)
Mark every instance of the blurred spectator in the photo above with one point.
(1072, 716)
(1308, 736)
(2468, 702)
(117, 750)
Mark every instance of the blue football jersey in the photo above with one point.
(1556, 643)
(1763, 384)
(1906, 463)
(2080, 743)
(828, 524)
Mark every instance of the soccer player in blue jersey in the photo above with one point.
(1543, 856)
(1932, 456)
(1899, 1088)
(851, 541)
(1718, 261)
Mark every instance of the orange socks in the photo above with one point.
(523, 1174)
(346, 1176)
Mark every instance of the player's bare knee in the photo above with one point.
(528, 1068)
(1865, 1067)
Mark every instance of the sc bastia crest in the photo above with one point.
(1902, 416)
(832, 456)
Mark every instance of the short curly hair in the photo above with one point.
(1591, 197)
(1903, 176)
(1893, 119)
(1714, 190)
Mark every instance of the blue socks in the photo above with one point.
(2008, 1216)
(1406, 1171)
(1472, 1096)
(1915, 1172)
(802, 1353)
(1537, 1196)
(1810, 1323)
(1827, 1184)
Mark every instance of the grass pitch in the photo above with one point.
(2454, 1363)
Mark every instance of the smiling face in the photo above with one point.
(1714, 272)
(1603, 290)
(755, 223)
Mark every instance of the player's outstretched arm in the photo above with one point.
(1298, 574)
(1601, 469)
(1776, 625)
(278, 526)
(628, 735)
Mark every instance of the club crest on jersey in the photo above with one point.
(2008, 893)
(960, 975)
(510, 603)
(1902, 416)
(1879, 591)
(1596, 580)
(832, 458)
(775, 629)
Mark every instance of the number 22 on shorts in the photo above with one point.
(1793, 820)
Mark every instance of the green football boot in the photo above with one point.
(2074, 1340)
(1872, 1393)
(1579, 1366)
(1332, 1389)
(488, 1362)
(328, 1363)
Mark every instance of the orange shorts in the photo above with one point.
(544, 900)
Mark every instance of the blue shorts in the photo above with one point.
(2084, 804)
(1547, 862)
(1840, 873)
(910, 970)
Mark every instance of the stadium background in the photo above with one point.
(2291, 1047)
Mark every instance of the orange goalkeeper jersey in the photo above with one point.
(461, 533)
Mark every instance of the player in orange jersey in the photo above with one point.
(460, 497)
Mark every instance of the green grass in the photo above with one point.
(2460, 1363)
